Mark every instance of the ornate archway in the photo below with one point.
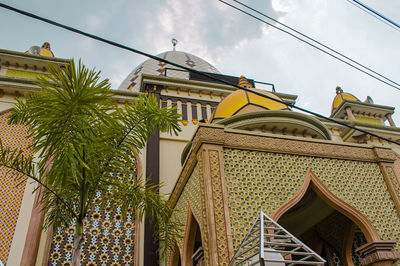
(311, 181)
(175, 257)
(192, 245)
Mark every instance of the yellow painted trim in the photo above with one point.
(22, 74)
(368, 120)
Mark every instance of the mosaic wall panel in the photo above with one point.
(264, 181)
(109, 239)
(14, 137)
(191, 194)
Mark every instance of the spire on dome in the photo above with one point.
(243, 82)
(340, 97)
(174, 43)
(45, 50)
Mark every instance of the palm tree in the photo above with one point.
(86, 143)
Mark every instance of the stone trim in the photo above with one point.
(192, 224)
(374, 253)
(392, 183)
(348, 244)
(323, 192)
(217, 213)
(241, 139)
(203, 209)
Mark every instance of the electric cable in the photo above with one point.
(315, 41)
(313, 45)
(95, 37)
(376, 14)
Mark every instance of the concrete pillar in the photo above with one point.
(391, 122)
(32, 241)
(349, 113)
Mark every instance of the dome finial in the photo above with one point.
(243, 82)
(45, 50)
(174, 42)
(339, 90)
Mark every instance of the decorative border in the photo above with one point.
(216, 209)
(241, 139)
(203, 212)
(219, 214)
(392, 183)
(311, 180)
(348, 244)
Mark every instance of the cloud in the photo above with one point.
(233, 42)
(204, 27)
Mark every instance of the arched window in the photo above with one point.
(193, 253)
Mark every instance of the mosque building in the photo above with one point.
(250, 179)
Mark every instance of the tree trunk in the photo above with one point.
(78, 241)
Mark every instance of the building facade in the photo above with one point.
(334, 188)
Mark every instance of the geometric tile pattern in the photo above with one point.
(14, 137)
(109, 239)
(264, 181)
(191, 194)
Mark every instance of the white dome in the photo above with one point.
(154, 67)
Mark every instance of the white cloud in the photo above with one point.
(233, 42)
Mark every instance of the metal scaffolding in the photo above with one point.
(268, 243)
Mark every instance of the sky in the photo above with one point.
(234, 43)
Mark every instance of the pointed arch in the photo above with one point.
(175, 257)
(192, 225)
(332, 200)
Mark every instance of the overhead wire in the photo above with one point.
(315, 41)
(319, 48)
(375, 13)
(95, 37)
(378, 18)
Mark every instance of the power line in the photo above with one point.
(315, 41)
(320, 49)
(95, 37)
(376, 14)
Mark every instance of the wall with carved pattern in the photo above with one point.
(191, 194)
(265, 181)
(109, 239)
(14, 137)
